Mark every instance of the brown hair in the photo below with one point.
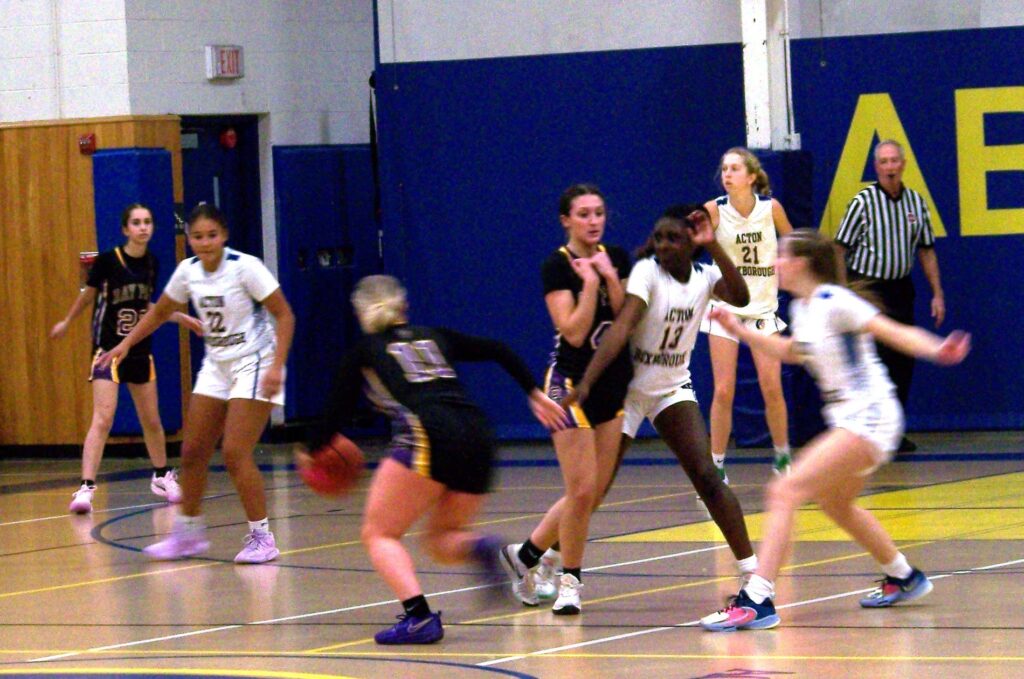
(824, 263)
(753, 164)
(126, 214)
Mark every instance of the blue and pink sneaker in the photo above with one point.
(892, 591)
(742, 613)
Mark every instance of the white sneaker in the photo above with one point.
(519, 575)
(259, 547)
(166, 486)
(545, 578)
(81, 500)
(568, 602)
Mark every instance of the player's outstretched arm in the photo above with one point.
(918, 342)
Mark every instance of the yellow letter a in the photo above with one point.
(874, 113)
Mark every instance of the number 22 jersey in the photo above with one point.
(228, 302)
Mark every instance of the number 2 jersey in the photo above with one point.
(235, 323)
(407, 372)
(125, 286)
(557, 274)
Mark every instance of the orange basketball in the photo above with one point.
(334, 468)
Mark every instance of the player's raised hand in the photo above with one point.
(702, 232)
(602, 264)
(584, 268)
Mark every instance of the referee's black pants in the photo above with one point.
(897, 296)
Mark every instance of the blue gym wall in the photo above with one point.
(982, 276)
(475, 152)
(140, 175)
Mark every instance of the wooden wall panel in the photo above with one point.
(46, 219)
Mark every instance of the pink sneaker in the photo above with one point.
(81, 500)
(180, 544)
(259, 547)
(166, 486)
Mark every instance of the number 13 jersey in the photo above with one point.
(228, 302)
(664, 338)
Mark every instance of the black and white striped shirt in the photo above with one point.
(882, 233)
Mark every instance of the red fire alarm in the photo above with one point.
(229, 138)
(87, 144)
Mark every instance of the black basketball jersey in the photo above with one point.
(126, 286)
(410, 368)
(557, 274)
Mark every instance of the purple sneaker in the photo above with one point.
(180, 544)
(486, 554)
(260, 547)
(410, 630)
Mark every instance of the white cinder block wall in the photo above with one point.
(306, 65)
(62, 59)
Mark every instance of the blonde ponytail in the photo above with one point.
(379, 302)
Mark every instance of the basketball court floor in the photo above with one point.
(77, 598)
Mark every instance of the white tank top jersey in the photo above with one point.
(662, 341)
(828, 331)
(752, 245)
(228, 302)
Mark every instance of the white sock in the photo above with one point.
(898, 568)
(719, 460)
(781, 450)
(759, 589)
(189, 522)
(261, 526)
(552, 554)
(748, 565)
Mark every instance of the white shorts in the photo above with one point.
(766, 325)
(237, 378)
(639, 405)
(880, 422)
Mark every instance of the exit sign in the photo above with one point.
(223, 61)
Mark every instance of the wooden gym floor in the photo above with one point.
(77, 598)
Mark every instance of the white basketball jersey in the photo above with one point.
(751, 244)
(828, 331)
(228, 302)
(662, 341)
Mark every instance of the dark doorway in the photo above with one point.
(220, 164)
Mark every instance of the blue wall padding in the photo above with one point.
(982, 275)
(474, 155)
(327, 240)
(137, 175)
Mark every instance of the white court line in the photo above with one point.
(66, 515)
(460, 590)
(346, 609)
(691, 623)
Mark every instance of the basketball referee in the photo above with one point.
(884, 226)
